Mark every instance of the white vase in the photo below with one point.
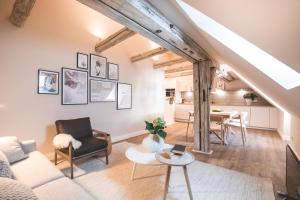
(153, 143)
(248, 101)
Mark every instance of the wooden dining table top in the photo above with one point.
(224, 114)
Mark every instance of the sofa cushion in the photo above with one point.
(5, 170)
(35, 170)
(78, 128)
(61, 189)
(11, 147)
(15, 190)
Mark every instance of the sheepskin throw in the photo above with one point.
(63, 140)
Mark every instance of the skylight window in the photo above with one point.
(273, 68)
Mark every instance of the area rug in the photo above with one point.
(208, 182)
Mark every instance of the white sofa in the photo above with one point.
(46, 181)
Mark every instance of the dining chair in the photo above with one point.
(190, 120)
(217, 127)
(239, 121)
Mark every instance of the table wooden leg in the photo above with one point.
(133, 171)
(167, 181)
(187, 182)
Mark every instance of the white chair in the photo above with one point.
(190, 120)
(240, 121)
(217, 127)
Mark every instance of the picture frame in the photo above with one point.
(98, 66)
(74, 86)
(82, 61)
(124, 96)
(113, 71)
(102, 91)
(48, 82)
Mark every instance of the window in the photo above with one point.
(270, 66)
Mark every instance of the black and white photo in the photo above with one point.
(102, 91)
(124, 96)
(113, 71)
(74, 86)
(82, 60)
(48, 82)
(98, 66)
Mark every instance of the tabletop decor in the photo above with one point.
(74, 86)
(98, 66)
(102, 91)
(155, 140)
(48, 82)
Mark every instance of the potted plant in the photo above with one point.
(250, 97)
(155, 140)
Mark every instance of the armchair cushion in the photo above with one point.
(78, 128)
(89, 145)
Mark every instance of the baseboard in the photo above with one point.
(283, 136)
(127, 136)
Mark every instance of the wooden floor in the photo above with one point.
(263, 155)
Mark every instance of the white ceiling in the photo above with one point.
(273, 26)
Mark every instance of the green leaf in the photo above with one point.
(149, 127)
(162, 133)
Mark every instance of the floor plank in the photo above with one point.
(263, 155)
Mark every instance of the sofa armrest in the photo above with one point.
(100, 134)
(28, 146)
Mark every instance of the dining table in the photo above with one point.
(222, 116)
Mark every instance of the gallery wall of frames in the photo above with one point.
(94, 80)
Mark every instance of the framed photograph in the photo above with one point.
(82, 60)
(74, 87)
(98, 66)
(102, 91)
(113, 71)
(124, 96)
(48, 82)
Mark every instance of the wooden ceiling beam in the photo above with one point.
(147, 54)
(143, 18)
(21, 12)
(173, 75)
(169, 62)
(114, 39)
(179, 69)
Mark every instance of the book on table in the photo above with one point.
(178, 149)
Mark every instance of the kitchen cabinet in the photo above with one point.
(182, 111)
(263, 117)
(184, 83)
(260, 117)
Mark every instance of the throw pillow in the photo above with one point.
(12, 149)
(4, 166)
(14, 190)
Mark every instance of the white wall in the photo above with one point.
(49, 40)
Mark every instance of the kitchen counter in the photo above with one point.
(252, 105)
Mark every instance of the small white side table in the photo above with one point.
(141, 155)
(176, 160)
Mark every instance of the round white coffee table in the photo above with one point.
(176, 160)
(141, 155)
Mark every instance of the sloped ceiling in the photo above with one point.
(273, 26)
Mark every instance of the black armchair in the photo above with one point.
(93, 142)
